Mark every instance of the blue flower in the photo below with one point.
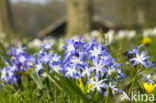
(47, 46)
(38, 68)
(45, 58)
(18, 64)
(17, 51)
(74, 47)
(115, 68)
(97, 51)
(106, 57)
(8, 74)
(140, 58)
(71, 71)
(98, 84)
(147, 78)
(56, 57)
(70, 46)
(134, 50)
(30, 61)
(110, 71)
(78, 62)
(99, 66)
(57, 68)
(86, 71)
(152, 64)
(113, 88)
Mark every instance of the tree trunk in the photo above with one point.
(6, 23)
(79, 13)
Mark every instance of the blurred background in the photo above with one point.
(32, 17)
(24, 21)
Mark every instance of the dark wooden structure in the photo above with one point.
(58, 29)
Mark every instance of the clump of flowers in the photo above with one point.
(90, 63)
(92, 60)
(18, 64)
(47, 59)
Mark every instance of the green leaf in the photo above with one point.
(2, 62)
(3, 51)
(53, 79)
(67, 85)
(37, 79)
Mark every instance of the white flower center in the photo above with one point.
(96, 51)
(39, 66)
(70, 47)
(19, 50)
(47, 46)
(139, 59)
(97, 84)
(22, 59)
(55, 59)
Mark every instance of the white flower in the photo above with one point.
(56, 68)
(61, 44)
(131, 34)
(98, 84)
(111, 70)
(147, 32)
(19, 50)
(113, 88)
(154, 31)
(49, 40)
(95, 34)
(35, 43)
(121, 34)
(110, 35)
(38, 67)
(22, 59)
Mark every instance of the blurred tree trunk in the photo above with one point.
(150, 11)
(140, 16)
(6, 23)
(79, 13)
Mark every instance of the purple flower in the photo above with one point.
(47, 46)
(98, 84)
(71, 71)
(86, 71)
(99, 66)
(45, 58)
(38, 67)
(20, 62)
(140, 58)
(96, 51)
(17, 51)
(8, 74)
(147, 78)
(113, 88)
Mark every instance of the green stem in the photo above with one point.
(107, 97)
(55, 94)
(130, 90)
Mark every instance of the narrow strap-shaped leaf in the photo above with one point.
(3, 50)
(2, 62)
(71, 85)
(36, 78)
